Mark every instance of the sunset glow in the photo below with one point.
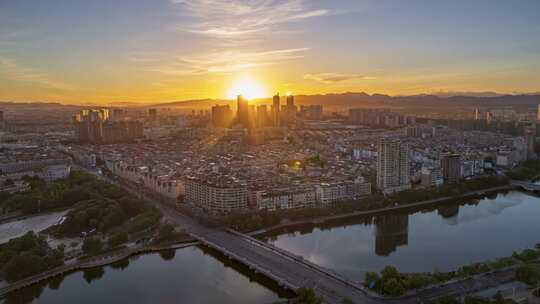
(247, 87)
(148, 51)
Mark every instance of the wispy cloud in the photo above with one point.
(329, 78)
(12, 70)
(234, 35)
(225, 62)
(240, 18)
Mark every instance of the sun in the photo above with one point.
(248, 87)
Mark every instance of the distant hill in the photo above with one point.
(350, 100)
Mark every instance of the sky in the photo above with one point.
(103, 51)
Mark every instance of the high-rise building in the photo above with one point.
(222, 116)
(289, 110)
(118, 114)
(476, 114)
(95, 126)
(538, 113)
(275, 110)
(262, 116)
(2, 122)
(152, 115)
(489, 117)
(392, 166)
(530, 139)
(451, 167)
(242, 111)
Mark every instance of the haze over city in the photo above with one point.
(150, 51)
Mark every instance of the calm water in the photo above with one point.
(426, 240)
(438, 239)
(188, 275)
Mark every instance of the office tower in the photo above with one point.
(242, 114)
(392, 166)
(290, 101)
(476, 114)
(96, 126)
(222, 116)
(289, 110)
(530, 139)
(275, 110)
(451, 167)
(252, 116)
(262, 116)
(538, 113)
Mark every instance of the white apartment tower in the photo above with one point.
(392, 166)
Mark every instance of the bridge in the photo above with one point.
(527, 186)
(288, 270)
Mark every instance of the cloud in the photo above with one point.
(329, 78)
(226, 61)
(12, 70)
(241, 18)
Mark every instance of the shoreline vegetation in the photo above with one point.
(106, 216)
(389, 282)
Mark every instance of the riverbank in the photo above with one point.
(379, 211)
(91, 262)
(521, 266)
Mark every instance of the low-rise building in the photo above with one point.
(289, 198)
(327, 193)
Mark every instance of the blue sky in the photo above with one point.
(159, 50)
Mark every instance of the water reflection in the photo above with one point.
(391, 231)
(421, 239)
(188, 275)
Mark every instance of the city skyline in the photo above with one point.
(158, 51)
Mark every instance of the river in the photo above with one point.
(436, 239)
(440, 239)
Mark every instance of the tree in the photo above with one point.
(393, 287)
(347, 301)
(528, 274)
(92, 246)
(447, 300)
(166, 233)
(389, 272)
(23, 265)
(307, 296)
(118, 239)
